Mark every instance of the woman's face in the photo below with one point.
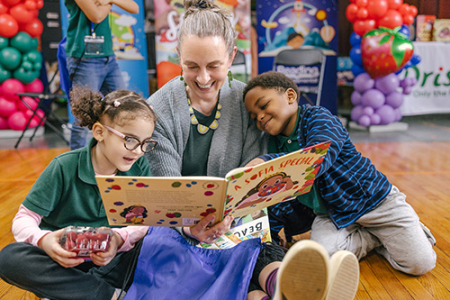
(205, 62)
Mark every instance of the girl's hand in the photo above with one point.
(205, 233)
(255, 162)
(104, 258)
(50, 244)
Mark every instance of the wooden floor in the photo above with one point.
(420, 170)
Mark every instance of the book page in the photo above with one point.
(161, 201)
(280, 179)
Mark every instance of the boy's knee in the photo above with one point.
(423, 264)
(6, 263)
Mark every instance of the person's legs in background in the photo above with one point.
(113, 80)
(85, 72)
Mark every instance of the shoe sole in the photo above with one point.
(344, 276)
(303, 273)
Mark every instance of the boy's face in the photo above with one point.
(274, 112)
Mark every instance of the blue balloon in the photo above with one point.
(356, 70)
(405, 30)
(355, 39)
(355, 55)
(415, 59)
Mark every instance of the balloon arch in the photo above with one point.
(20, 61)
(381, 49)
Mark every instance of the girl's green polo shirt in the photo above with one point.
(279, 144)
(66, 192)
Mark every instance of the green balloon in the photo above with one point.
(25, 76)
(4, 74)
(27, 66)
(34, 56)
(34, 43)
(22, 42)
(37, 66)
(10, 58)
(3, 42)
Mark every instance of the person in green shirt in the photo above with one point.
(66, 193)
(89, 49)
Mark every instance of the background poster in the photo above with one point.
(290, 24)
(168, 17)
(431, 93)
(129, 44)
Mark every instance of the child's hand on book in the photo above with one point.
(255, 162)
(205, 233)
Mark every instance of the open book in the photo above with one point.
(183, 201)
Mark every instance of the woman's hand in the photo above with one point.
(205, 233)
(255, 162)
(104, 258)
(50, 244)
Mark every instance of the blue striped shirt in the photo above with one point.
(348, 182)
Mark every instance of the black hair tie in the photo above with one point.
(201, 4)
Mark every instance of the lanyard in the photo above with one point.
(92, 30)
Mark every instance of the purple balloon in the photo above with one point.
(356, 98)
(356, 112)
(375, 119)
(394, 99)
(363, 82)
(388, 83)
(398, 114)
(373, 98)
(364, 121)
(368, 111)
(407, 90)
(386, 113)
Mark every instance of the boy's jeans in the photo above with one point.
(100, 74)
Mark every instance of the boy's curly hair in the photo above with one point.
(272, 80)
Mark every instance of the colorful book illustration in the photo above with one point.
(183, 201)
(254, 225)
(424, 27)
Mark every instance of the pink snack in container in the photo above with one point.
(86, 240)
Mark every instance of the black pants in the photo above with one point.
(30, 268)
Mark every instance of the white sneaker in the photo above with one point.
(303, 273)
(344, 276)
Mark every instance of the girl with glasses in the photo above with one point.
(66, 193)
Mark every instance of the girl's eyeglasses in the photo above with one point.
(132, 143)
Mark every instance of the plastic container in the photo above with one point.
(86, 240)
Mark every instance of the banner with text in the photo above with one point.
(431, 94)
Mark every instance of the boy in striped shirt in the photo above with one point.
(356, 207)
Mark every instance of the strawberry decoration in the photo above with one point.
(385, 51)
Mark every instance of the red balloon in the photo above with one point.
(31, 102)
(408, 19)
(21, 13)
(351, 12)
(3, 8)
(413, 10)
(361, 27)
(30, 4)
(8, 26)
(40, 4)
(404, 9)
(7, 107)
(36, 86)
(377, 9)
(11, 2)
(391, 20)
(3, 123)
(34, 28)
(362, 3)
(11, 87)
(17, 121)
(362, 14)
(394, 4)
